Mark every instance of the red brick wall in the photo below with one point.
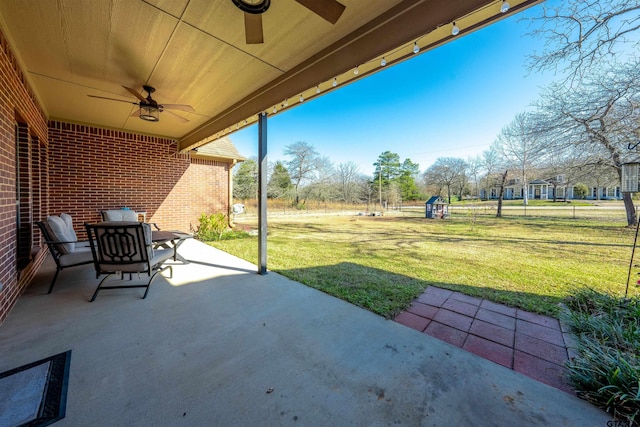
(92, 169)
(18, 105)
(82, 169)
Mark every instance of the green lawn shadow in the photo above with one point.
(387, 294)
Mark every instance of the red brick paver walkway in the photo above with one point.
(529, 343)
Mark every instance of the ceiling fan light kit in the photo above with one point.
(149, 113)
(149, 110)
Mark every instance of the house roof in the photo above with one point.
(436, 200)
(194, 52)
(538, 182)
(220, 149)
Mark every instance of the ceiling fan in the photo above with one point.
(149, 109)
(330, 10)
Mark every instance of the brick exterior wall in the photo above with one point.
(81, 170)
(20, 113)
(91, 169)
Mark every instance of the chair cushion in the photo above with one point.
(69, 222)
(160, 256)
(61, 232)
(112, 215)
(79, 256)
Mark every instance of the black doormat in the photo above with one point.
(35, 394)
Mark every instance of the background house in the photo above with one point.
(556, 188)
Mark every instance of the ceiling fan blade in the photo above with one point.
(113, 99)
(181, 107)
(253, 28)
(136, 94)
(180, 118)
(330, 10)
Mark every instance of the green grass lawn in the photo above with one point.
(383, 263)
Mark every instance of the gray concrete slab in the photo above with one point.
(219, 344)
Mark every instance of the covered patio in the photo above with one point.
(220, 345)
(217, 344)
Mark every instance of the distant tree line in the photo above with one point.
(308, 177)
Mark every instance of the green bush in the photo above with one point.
(607, 370)
(580, 191)
(211, 227)
(215, 227)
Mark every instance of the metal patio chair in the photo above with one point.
(64, 247)
(126, 247)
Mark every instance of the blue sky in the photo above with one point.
(448, 102)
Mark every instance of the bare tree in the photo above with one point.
(462, 182)
(580, 34)
(491, 163)
(600, 117)
(321, 187)
(347, 181)
(303, 164)
(521, 147)
(444, 173)
(474, 165)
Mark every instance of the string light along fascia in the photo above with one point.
(455, 30)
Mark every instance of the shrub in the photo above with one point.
(607, 370)
(580, 191)
(215, 227)
(211, 227)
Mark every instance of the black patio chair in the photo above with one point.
(64, 247)
(126, 247)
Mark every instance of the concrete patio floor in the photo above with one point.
(220, 345)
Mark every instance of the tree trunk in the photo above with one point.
(630, 208)
(501, 194)
(626, 198)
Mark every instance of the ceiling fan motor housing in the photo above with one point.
(150, 102)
